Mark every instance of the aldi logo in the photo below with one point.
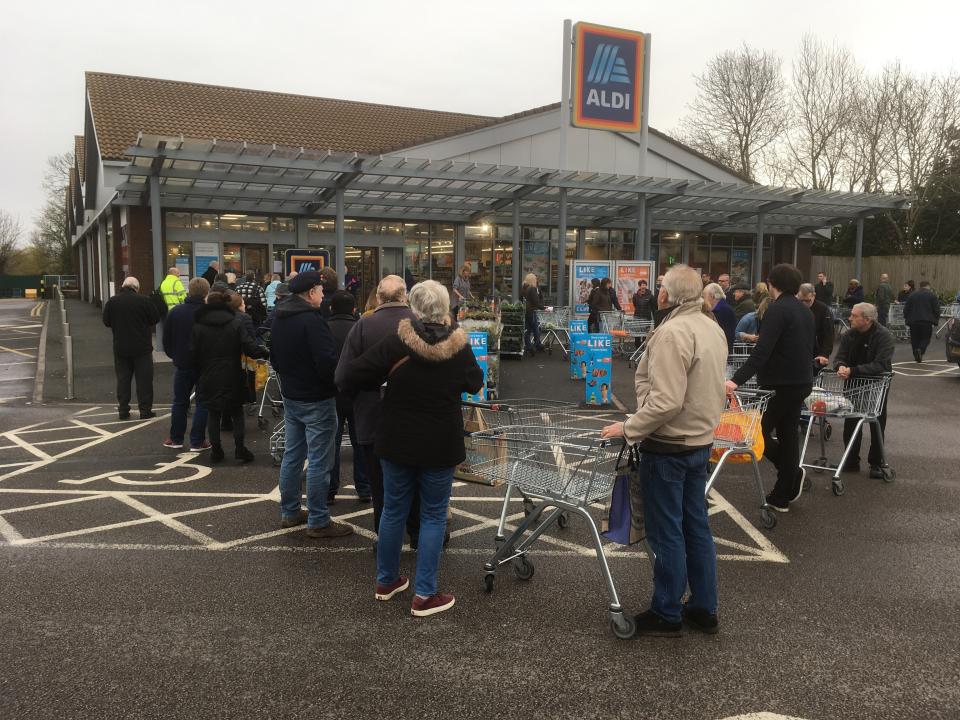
(608, 78)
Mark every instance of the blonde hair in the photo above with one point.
(466, 266)
(530, 279)
(761, 287)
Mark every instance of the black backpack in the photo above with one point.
(156, 297)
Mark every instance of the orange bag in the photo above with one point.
(741, 427)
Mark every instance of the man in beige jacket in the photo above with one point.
(680, 396)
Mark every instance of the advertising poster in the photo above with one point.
(628, 277)
(740, 266)
(598, 382)
(578, 349)
(582, 273)
(478, 343)
(183, 265)
(204, 253)
(536, 260)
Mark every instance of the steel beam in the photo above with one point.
(338, 229)
(746, 215)
(562, 257)
(858, 254)
(758, 252)
(517, 258)
(639, 237)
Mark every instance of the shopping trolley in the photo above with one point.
(858, 398)
(896, 323)
(947, 313)
(734, 363)
(841, 315)
(272, 399)
(739, 426)
(566, 472)
(522, 413)
(554, 327)
(611, 321)
(634, 329)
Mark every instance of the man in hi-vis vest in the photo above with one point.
(172, 289)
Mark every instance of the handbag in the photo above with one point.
(623, 523)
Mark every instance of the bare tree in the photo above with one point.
(740, 109)
(51, 222)
(867, 160)
(10, 232)
(826, 82)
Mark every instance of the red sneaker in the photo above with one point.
(386, 592)
(172, 444)
(204, 446)
(421, 607)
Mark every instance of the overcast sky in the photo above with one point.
(490, 57)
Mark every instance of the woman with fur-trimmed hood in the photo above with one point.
(419, 438)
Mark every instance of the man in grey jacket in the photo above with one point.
(368, 331)
(680, 397)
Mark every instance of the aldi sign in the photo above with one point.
(608, 78)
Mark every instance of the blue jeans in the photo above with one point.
(361, 482)
(309, 430)
(184, 381)
(678, 530)
(531, 327)
(400, 483)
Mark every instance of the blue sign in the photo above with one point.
(478, 343)
(598, 382)
(583, 275)
(578, 326)
(608, 78)
(578, 355)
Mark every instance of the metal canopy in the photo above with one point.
(207, 175)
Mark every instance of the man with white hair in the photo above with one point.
(367, 332)
(131, 316)
(866, 349)
(726, 318)
(680, 397)
(172, 288)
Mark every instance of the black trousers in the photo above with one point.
(875, 455)
(375, 475)
(783, 416)
(236, 418)
(140, 367)
(920, 334)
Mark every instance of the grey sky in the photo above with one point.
(493, 57)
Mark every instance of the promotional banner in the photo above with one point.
(478, 343)
(740, 266)
(582, 273)
(607, 78)
(599, 367)
(578, 349)
(304, 260)
(204, 253)
(628, 276)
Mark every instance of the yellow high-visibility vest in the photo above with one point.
(172, 290)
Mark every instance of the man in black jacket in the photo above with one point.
(824, 289)
(921, 313)
(131, 316)
(822, 321)
(367, 332)
(341, 322)
(865, 349)
(303, 353)
(781, 362)
(210, 274)
(177, 331)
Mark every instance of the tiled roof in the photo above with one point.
(79, 155)
(123, 105)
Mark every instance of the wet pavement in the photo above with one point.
(139, 582)
(21, 324)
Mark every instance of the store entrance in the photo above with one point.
(240, 259)
(362, 263)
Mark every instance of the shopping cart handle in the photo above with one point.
(496, 407)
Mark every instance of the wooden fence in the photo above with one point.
(943, 271)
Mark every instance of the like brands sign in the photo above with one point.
(608, 78)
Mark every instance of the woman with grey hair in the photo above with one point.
(419, 438)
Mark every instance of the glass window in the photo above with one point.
(178, 220)
(205, 222)
(570, 254)
(441, 254)
(229, 221)
(283, 224)
(699, 244)
(596, 244)
(231, 259)
(671, 246)
(621, 244)
(179, 254)
(256, 223)
(478, 251)
(719, 261)
(320, 225)
(416, 253)
(278, 256)
(536, 250)
(503, 261)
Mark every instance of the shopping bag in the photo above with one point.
(262, 374)
(623, 523)
(740, 427)
(489, 451)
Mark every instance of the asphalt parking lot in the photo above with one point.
(139, 582)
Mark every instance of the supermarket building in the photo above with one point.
(176, 173)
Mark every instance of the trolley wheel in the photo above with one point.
(550, 350)
(563, 520)
(768, 518)
(889, 475)
(623, 626)
(837, 487)
(827, 430)
(522, 569)
(488, 582)
(261, 422)
(807, 484)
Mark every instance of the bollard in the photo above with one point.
(68, 351)
(66, 331)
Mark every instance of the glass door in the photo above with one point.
(255, 259)
(362, 271)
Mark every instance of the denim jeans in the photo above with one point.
(361, 482)
(185, 380)
(400, 483)
(309, 430)
(678, 530)
(531, 327)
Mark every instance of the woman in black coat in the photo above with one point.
(219, 338)
(644, 303)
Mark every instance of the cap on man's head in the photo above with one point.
(741, 286)
(305, 281)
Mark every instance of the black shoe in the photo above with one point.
(780, 506)
(147, 415)
(216, 453)
(331, 499)
(243, 455)
(700, 619)
(917, 356)
(652, 625)
(364, 498)
(124, 416)
(851, 468)
(876, 472)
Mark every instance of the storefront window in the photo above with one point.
(621, 244)
(596, 244)
(416, 252)
(441, 254)
(205, 222)
(478, 252)
(283, 224)
(278, 257)
(179, 254)
(178, 220)
(231, 259)
(503, 261)
(699, 259)
(670, 248)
